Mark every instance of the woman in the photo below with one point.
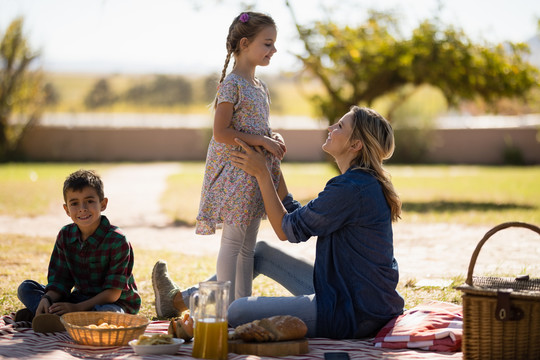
(355, 274)
(350, 292)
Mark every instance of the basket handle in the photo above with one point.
(502, 226)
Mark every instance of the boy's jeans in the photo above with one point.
(30, 293)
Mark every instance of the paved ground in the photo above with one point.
(424, 251)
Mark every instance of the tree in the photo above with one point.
(210, 87)
(100, 95)
(52, 97)
(21, 89)
(168, 91)
(162, 91)
(357, 65)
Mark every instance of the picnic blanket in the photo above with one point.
(18, 341)
(433, 325)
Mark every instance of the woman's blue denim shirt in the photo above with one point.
(355, 274)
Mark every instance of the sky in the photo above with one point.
(188, 36)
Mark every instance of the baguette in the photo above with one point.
(275, 328)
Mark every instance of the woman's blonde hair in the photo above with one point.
(377, 137)
(246, 25)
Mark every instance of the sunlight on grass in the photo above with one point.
(437, 193)
(22, 258)
(461, 194)
(181, 200)
(468, 194)
(31, 189)
(415, 295)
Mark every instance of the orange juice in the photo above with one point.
(210, 339)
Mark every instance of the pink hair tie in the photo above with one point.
(244, 18)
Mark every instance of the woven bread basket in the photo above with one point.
(501, 316)
(76, 325)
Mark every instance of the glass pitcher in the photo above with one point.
(208, 308)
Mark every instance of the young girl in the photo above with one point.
(229, 195)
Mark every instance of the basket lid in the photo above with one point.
(521, 286)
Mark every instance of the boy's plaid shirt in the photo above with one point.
(104, 261)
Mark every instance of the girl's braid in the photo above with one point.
(224, 71)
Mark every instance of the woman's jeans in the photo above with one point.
(293, 274)
(30, 293)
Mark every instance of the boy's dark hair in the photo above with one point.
(81, 179)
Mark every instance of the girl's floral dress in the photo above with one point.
(229, 195)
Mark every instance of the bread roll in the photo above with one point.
(182, 327)
(275, 328)
(252, 332)
(285, 327)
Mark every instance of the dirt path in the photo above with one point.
(424, 251)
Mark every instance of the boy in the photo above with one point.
(90, 256)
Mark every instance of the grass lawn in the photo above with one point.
(30, 189)
(459, 194)
(468, 194)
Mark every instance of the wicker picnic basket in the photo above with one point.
(501, 315)
(76, 325)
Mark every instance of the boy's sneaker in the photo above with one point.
(24, 315)
(47, 323)
(164, 290)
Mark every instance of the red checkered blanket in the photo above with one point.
(433, 325)
(18, 341)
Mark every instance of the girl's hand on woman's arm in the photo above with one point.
(279, 138)
(253, 162)
(275, 147)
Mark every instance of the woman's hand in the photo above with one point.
(253, 161)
